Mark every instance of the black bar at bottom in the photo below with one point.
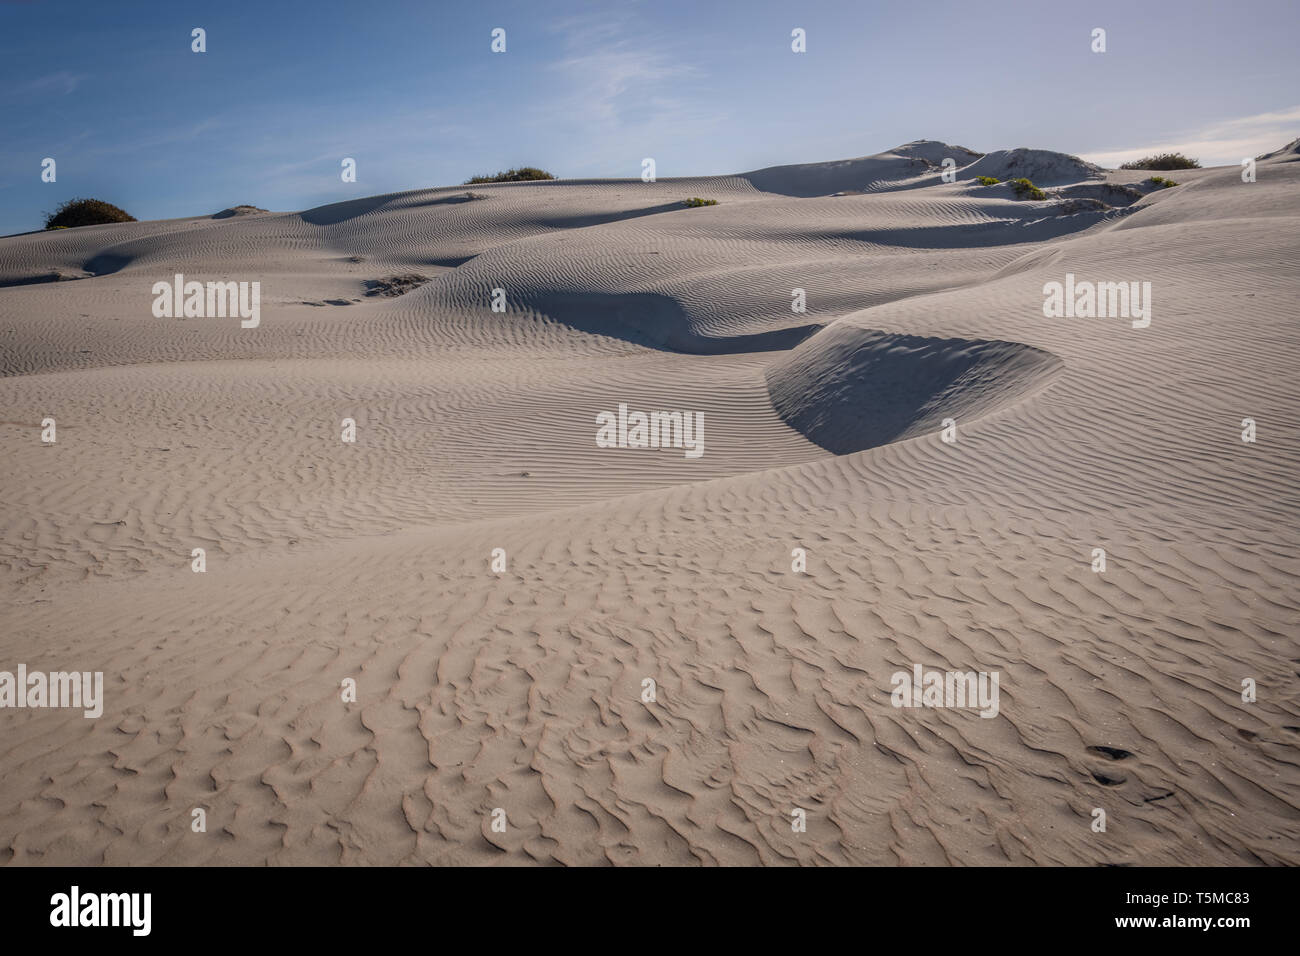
(334, 906)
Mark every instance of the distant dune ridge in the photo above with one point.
(500, 588)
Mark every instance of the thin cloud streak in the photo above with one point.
(1220, 144)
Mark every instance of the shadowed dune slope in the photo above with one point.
(823, 179)
(850, 389)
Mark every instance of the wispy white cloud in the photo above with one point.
(615, 81)
(61, 83)
(146, 144)
(1218, 144)
(403, 150)
(621, 86)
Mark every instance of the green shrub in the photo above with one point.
(1026, 190)
(987, 180)
(1163, 161)
(1162, 182)
(697, 201)
(520, 175)
(85, 212)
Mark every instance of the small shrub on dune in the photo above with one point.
(1163, 161)
(697, 201)
(987, 180)
(1026, 190)
(1162, 182)
(521, 175)
(85, 212)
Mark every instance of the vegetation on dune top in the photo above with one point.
(1163, 161)
(85, 212)
(1162, 182)
(242, 210)
(1026, 190)
(697, 201)
(987, 180)
(521, 175)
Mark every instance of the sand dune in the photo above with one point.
(521, 689)
(1043, 167)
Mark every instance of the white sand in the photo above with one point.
(522, 691)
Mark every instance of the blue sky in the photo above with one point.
(412, 91)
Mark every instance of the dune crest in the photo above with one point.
(855, 175)
(1041, 166)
